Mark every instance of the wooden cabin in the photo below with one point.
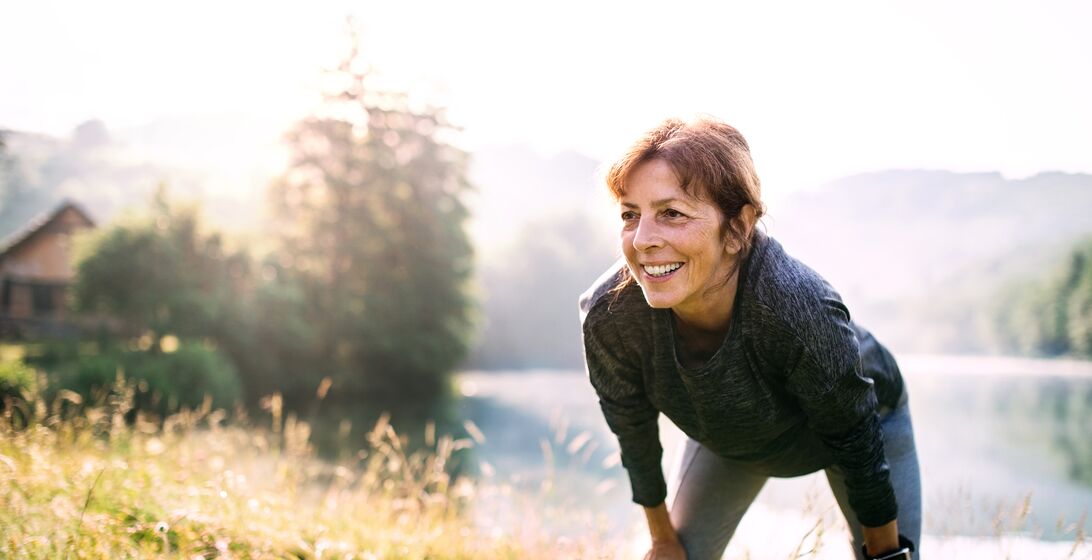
(35, 271)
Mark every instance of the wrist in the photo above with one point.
(659, 525)
(904, 551)
(671, 538)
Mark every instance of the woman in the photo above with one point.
(749, 352)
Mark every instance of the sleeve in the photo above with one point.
(629, 414)
(840, 403)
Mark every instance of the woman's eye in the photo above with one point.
(627, 216)
(672, 213)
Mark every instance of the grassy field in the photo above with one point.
(82, 482)
(97, 481)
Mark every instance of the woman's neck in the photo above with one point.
(700, 332)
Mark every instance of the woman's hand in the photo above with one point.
(666, 550)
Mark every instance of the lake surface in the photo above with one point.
(1005, 447)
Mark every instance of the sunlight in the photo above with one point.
(245, 242)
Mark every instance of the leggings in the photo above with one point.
(709, 495)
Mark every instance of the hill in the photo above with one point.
(920, 255)
(108, 171)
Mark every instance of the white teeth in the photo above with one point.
(662, 269)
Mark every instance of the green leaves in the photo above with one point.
(372, 214)
(1052, 317)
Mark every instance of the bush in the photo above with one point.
(17, 380)
(163, 382)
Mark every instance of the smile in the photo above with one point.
(661, 270)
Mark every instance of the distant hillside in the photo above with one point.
(224, 165)
(541, 243)
(1051, 316)
(921, 257)
(38, 171)
(919, 254)
(529, 291)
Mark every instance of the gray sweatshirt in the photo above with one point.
(794, 388)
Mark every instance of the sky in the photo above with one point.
(820, 89)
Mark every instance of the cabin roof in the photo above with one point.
(27, 232)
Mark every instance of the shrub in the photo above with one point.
(17, 380)
(162, 382)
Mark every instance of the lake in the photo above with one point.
(1005, 446)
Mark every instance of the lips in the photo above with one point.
(660, 270)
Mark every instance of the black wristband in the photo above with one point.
(903, 552)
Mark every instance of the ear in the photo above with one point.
(743, 224)
(747, 219)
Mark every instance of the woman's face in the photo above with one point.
(673, 242)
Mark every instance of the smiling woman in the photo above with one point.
(749, 352)
(678, 247)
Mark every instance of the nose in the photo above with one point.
(647, 235)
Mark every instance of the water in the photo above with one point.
(1005, 447)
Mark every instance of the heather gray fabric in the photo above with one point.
(708, 494)
(794, 387)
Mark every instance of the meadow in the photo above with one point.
(101, 481)
(90, 480)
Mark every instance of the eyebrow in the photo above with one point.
(656, 203)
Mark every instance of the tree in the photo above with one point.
(15, 199)
(370, 219)
(1052, 316)
(159, 274)
(530, 293)
(170, 291)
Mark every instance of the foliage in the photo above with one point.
(269, 338)
(371, 231)
(159, 274)
(161, 382)
(16, 201)
(169, 286)
(367, 286)
(1052, 317)
(17, 380)
(530, 295)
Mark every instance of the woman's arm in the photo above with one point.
(824, 376)
(617, 380)
(665, 541)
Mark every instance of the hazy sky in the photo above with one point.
(821, 89)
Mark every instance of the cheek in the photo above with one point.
(701, 241)
(628, 251)
(626, 240)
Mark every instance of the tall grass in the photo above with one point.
(83, 480)
(96, 480)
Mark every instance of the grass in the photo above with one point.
(96, 480)
(81, 482)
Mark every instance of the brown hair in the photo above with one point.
(712, 161)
